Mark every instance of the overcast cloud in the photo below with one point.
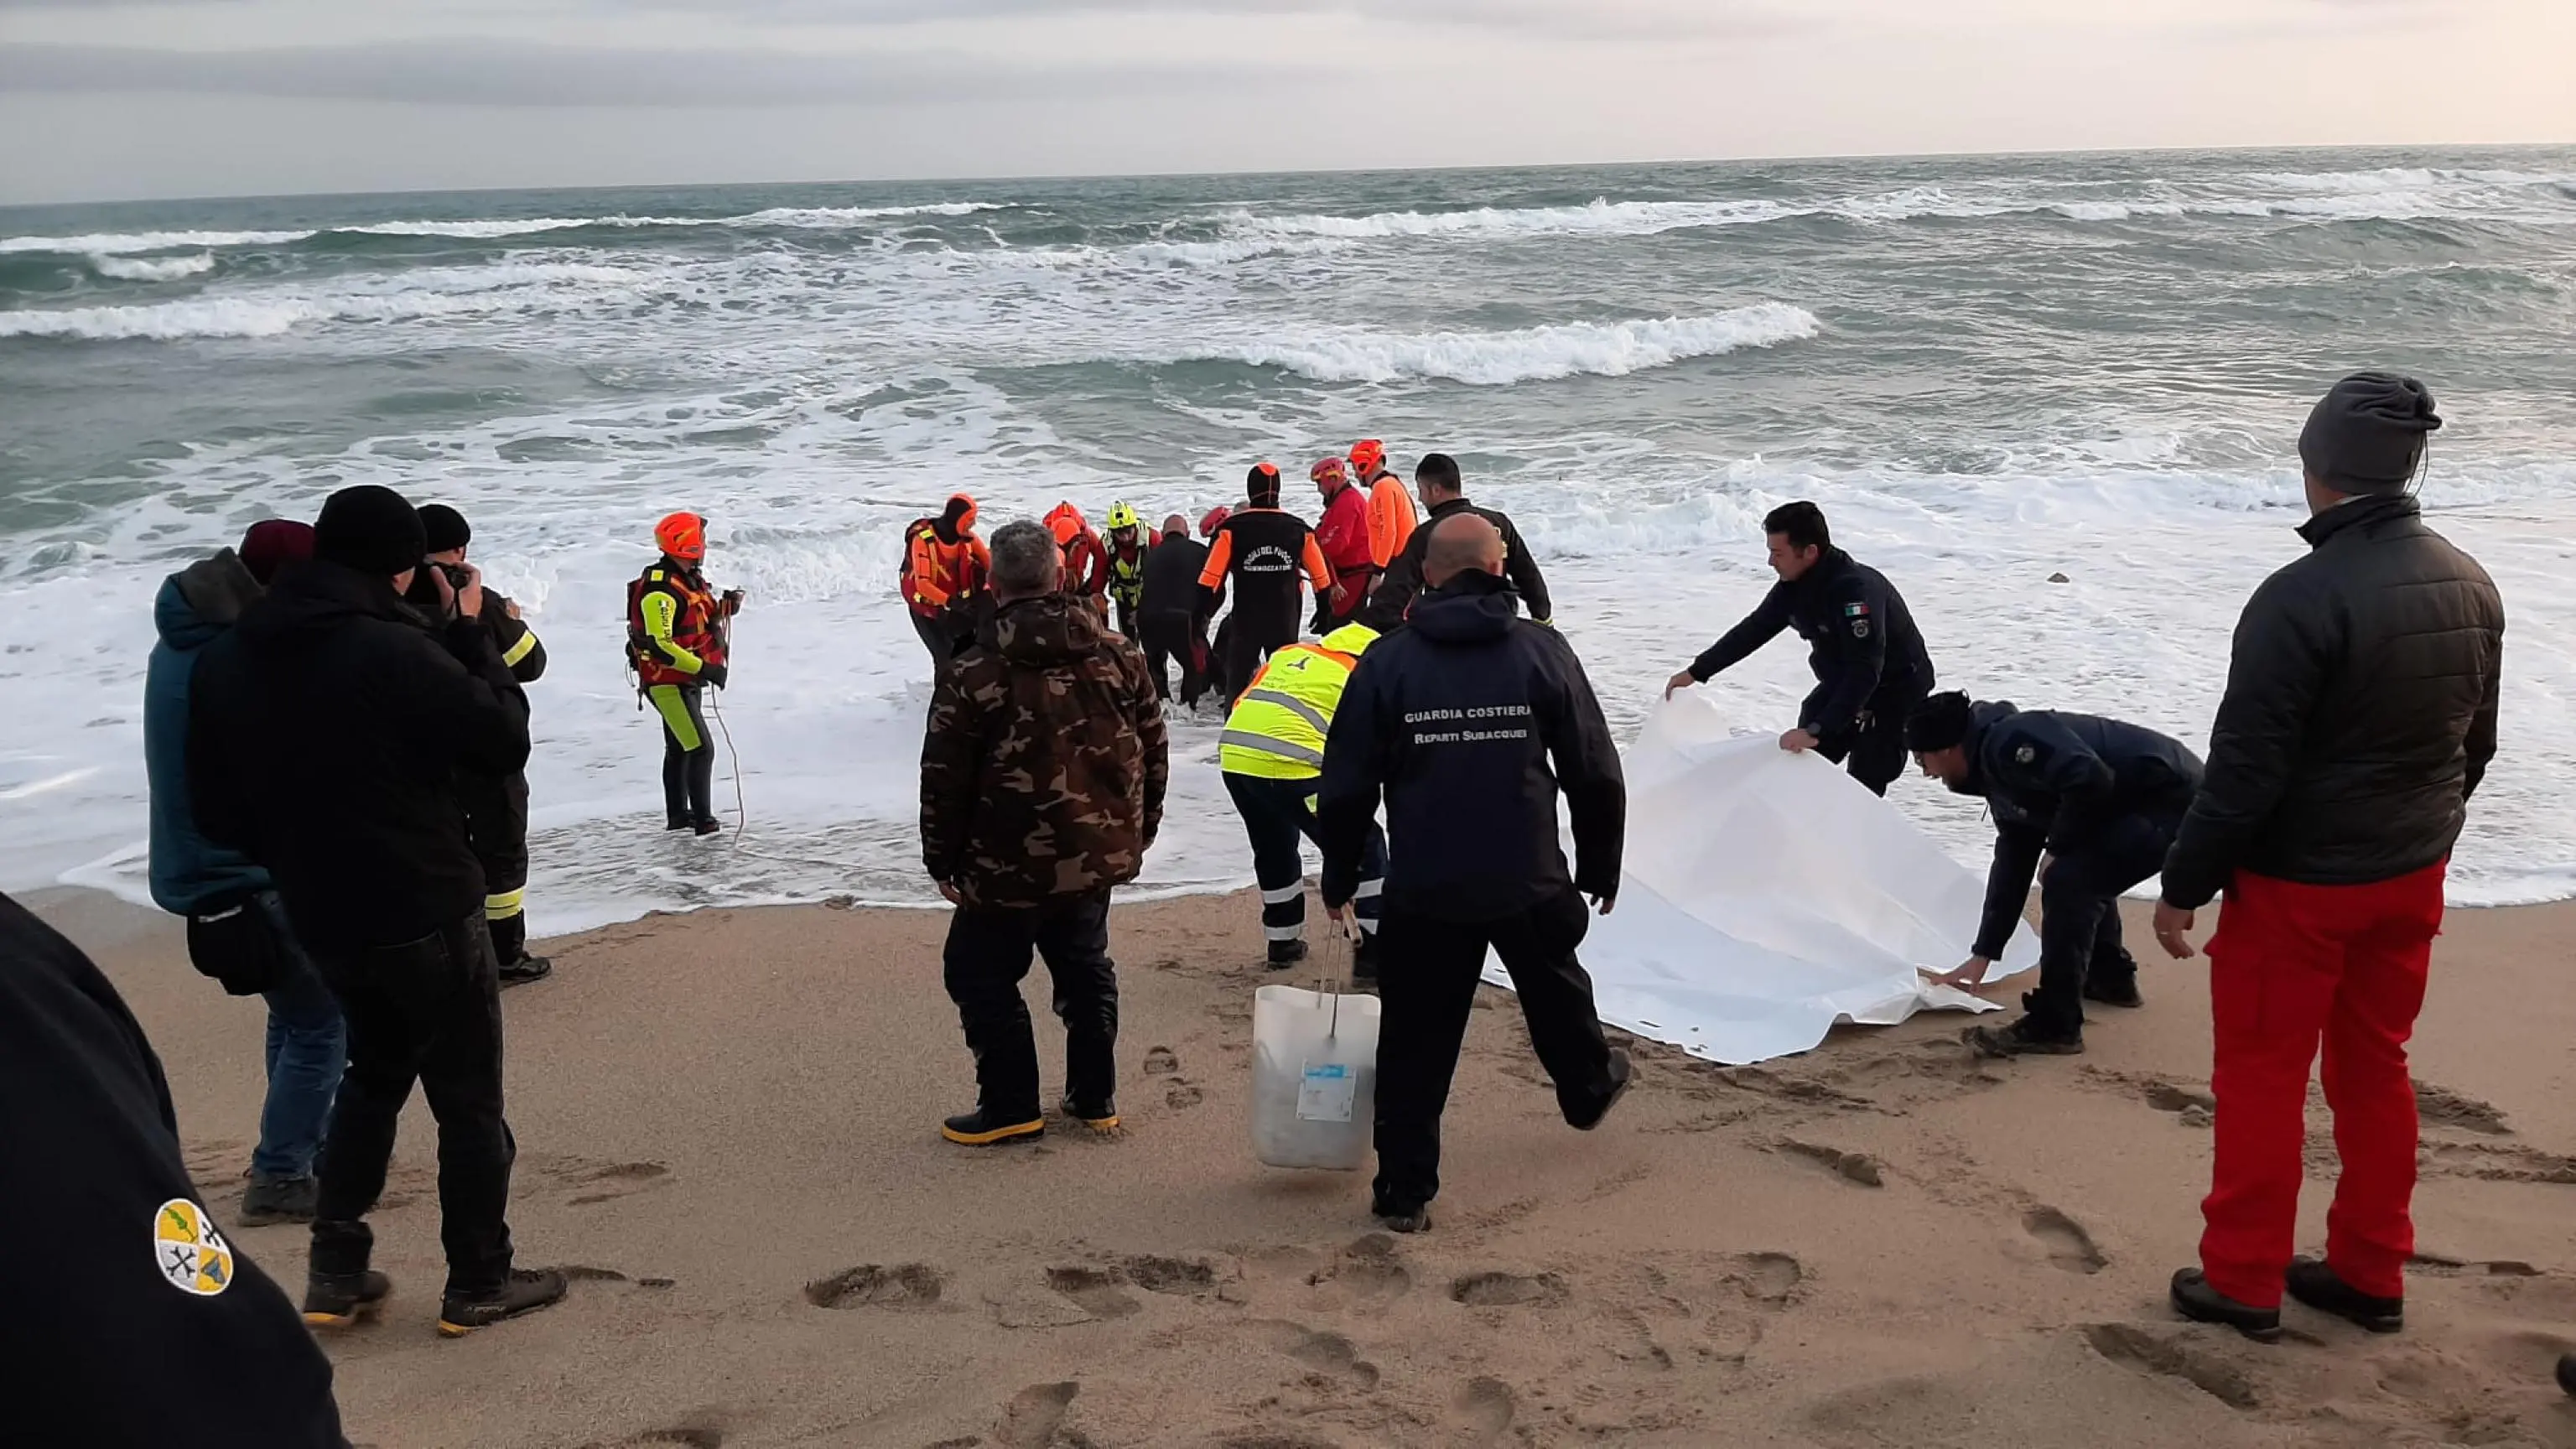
(196, 97)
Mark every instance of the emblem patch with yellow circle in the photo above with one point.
(189, 1251)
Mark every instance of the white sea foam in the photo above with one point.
(153, 269)
(437, 292)
(120, 243)
(1612, 349)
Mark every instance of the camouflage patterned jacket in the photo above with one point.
(1042, 774)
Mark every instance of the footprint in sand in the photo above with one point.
(908, 1285)
(1366, 1272)
(1508, 1290)
(1034, 1414)
(613, 1182)
(1182, 1094)
(1093, 1291)
(2068, 1245)
(1854, 1167)
(2442, 1107)
(1179, 1277)
(1327, 1355)
(1483, 1410)
(686, 1436)
(2170, 1354)
(1769, 1277)
(1161, 1061)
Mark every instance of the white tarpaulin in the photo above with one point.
(1768, 896)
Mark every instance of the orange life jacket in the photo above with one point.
(934, 572)
(696, 626)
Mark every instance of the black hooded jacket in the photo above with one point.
(325, 735)
(1470, 721)
(2360, 711)
(1396, 592)
(1861, 643)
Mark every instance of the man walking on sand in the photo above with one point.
(1470, 722)
(1041, 788)
(2360, 713)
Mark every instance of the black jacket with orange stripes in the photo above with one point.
(1263, 551)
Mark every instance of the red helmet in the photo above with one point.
(1330, 470)
(1215, 520)
(1367, 454)
(683, 536)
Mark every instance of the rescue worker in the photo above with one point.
(1342, 532)
(1042, 778)
(1470, 723)
(1209, 603)
(496, 806)
(1870, 665)
(1272, 752)
(676, 638)
(1086, 563)
(1391, 515)
(944, 574)
(2099, 801)
(1445, 492)
(1262, 550)
(1168, 615)
(1126, 559)
(2359, 717)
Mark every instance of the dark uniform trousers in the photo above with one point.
(2079, 914)
(1275, 814)
(1875, 753)
(1247, 642)
(1427, 989)
(428, 1011)
(496, 824)
(986, 958)
(1173, 635)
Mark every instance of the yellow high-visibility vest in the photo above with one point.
(1277, 729)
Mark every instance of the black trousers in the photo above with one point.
(1875, 755)
(1175, 636)
(1275, 814)
(426, 1012)
(496, 823)
(1250, 641)
(2079, 917)
(933, 632)
(986, 958)
(1427, 976)
(688, 753)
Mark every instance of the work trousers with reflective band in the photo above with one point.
(428, 1011)
(1427, 974)
(2290, 966)
(984, 962)
(1275, 813)
(496, 823)
(688, 754)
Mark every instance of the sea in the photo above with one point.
(2055, 398)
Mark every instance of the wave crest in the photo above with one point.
(1533, 354)
(152, 269)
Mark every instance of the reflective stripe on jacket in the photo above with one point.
(1277, 729)
(671, 619)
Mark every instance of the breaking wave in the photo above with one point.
(153, 269)
(1488, 359)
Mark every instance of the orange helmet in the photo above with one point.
(1214, 520)
(1067, 523)
(683, 536)
(1366, 455)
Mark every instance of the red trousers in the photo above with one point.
(2290, 965)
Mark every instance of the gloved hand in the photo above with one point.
(714, 674)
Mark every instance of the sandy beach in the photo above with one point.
(727, 1130)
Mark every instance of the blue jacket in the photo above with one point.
(1470, 722)
(191, 875)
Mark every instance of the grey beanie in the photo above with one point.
(2367, 435)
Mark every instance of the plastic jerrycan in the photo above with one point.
(1314, 1077)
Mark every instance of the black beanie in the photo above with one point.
(370, 529)
(1938, 723)
(2367, 435)
(443, 528)
(1261, 485)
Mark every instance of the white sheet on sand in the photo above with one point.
(1767, 897)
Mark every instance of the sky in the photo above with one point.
(101, 99)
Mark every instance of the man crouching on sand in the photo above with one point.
(1041, 788)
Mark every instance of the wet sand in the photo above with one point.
(727, 1128)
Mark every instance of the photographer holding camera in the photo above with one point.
(496, 806)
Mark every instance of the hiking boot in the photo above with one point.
(336, 1300)
(1100, 1118)
(528, 1290)
(2020, 1040)
(2113, 990)
(1622, 1075)
(1284, 954)
(2323, 1289)
(2194, 1299)
(981, 1128)
(278, 1200)
(678, 822)
(1399, 1218)
(525, 970)
(707, 825)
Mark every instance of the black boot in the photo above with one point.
(2323, 1289)
(528, 1290)
(2114, 982)
(2194, 1299)
(1284, 954)
(1401, 1217)
(2567, 1372)
(279, 1200)
(336, 1300)
(1098, 1116)
(982, 1128)
(1622, 1073)
(2021, 1039)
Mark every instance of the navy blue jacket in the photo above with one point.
(1469, 722)
(191, 875)
(1861, 642)
(2057, 782)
